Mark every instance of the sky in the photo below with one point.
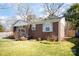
(8, 10)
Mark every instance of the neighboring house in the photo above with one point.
(52, 27)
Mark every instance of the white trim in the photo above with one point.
(44, 21)
(47, 25)
(33, 27)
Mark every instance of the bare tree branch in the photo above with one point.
(23, 10)
(52, 8)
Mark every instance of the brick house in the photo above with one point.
(50, 27)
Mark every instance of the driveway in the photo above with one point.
(5, 34)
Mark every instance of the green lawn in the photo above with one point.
(35, 48)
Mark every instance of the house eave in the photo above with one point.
(44, 21)
(51, 20)
(22, 23)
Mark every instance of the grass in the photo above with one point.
(35, 48)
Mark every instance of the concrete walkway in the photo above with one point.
(5, 34)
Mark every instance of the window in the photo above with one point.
(47, 27)
(33, 27)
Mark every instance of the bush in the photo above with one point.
(39, 39)
(23, 38)
(74, 40)
(77, 54)
(1, 28)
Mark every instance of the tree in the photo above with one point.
(72, 16)
(1, 28)
(52, 8)
(25, 12)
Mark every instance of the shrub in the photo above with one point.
(23, 38)
(1, 28)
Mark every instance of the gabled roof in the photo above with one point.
(20, 23)
(50, 18)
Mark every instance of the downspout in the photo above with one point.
(61, 29)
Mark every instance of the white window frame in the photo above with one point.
(33, 27)
(50, 25)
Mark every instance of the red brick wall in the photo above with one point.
(38, 33)
(69, 32)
